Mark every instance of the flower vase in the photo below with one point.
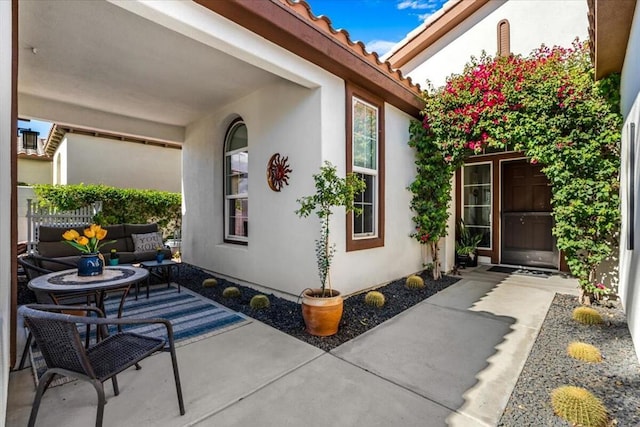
(160, 257)
(90, 265)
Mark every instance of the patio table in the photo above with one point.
(67, 283)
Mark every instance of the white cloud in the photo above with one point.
(432, 5)
(380, 46)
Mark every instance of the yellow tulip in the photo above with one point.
(89, 233)
(101, 234)
(95, 227)
(81, 240)
(70, 235)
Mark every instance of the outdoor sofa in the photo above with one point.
(51, 245)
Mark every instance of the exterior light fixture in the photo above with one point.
(30, 139)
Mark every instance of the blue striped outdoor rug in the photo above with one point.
(192, 316)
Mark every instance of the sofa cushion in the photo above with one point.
(48, 233)
(56, 249)
(147, 242)
(151, 255)
(115, 231)
(119, 245)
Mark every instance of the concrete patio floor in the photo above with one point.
(451, 360)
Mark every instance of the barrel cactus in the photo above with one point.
(587, 315)
(209, 283)
(585, 352)
(231, 292)
(579, 406)
(259, 302)
(414, 282)
(374, 298)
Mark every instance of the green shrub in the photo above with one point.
(231, 292)
(587, 315)
(374, 298)
(259, 302)
(119, 205)
(414, 282)
(209, 283)
(585, 352)
(578, 406)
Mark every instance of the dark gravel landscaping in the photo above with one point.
(616, 380)
(286, 315)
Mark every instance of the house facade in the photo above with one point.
(615, 37)
(500, 196)
(244, 87)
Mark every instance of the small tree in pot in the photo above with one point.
(322, 307)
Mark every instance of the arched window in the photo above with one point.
(236, 184)
(504, 48)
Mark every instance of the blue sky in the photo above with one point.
(36, 125)
(379, 24)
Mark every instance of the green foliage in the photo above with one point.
(374, 298)
(546, 106)
(467, 242)
(209, 283)
(231, 292)
(331, 191)
(585, 352)
(259, 302)
(414, 282)
(587, 315)
(119, 205)
(579, 406)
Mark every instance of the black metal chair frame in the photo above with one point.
(32, 265)
(56, 334)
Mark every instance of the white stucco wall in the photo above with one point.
(629, 272)
(91, 160)
(35, 171)
(6, 140)
(304, 125)
(532, 22)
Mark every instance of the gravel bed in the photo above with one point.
(286, 315)
(616, 381)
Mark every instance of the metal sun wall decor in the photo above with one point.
(278, 171)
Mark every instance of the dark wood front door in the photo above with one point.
(526, 216)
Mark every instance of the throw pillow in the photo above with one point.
(147, 242)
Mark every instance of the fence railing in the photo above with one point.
(38, 215)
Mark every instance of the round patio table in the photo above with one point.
(67, 283)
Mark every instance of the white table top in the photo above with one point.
(68, 280)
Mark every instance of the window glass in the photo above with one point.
(476, 196)
(365, 164)
(236, 176)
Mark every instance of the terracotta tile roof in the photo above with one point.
(302, 8)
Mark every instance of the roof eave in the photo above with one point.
(292, 26)
(609, 28)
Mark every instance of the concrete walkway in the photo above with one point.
(451, 360)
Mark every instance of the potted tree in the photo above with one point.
(322, 307)
(467, 246)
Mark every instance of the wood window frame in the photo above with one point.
(353, 91)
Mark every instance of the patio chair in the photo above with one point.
(57, 336)
(32, 266)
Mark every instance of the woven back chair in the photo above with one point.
(32, 266)
(64, 353)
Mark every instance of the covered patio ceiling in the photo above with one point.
(94, 64)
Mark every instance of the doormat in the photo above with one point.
(521, 271)
(192, 316)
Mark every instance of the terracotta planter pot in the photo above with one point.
(321, 315)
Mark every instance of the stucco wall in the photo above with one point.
(122, 164)
(6, 140)
(630, 259)
(35, 171)
(304, 125)
(532, 22)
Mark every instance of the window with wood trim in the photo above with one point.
(504, 38)
(236, 184)
(365, 157)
